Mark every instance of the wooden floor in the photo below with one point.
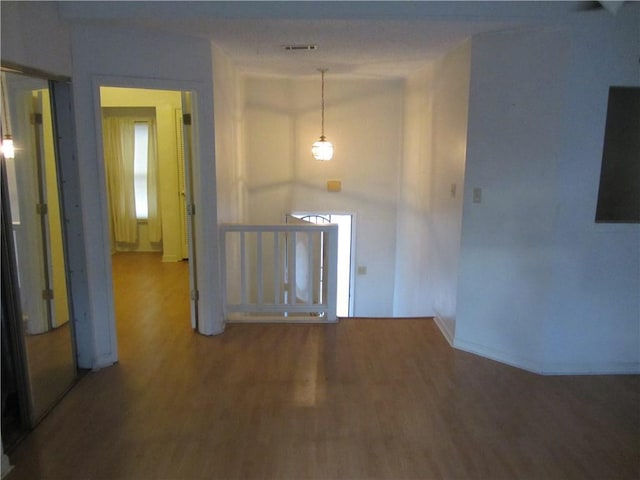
(385, 399)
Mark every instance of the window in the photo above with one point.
(140, 169)
(131, 169)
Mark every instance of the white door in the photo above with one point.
(305, 258)
(184, 217)
(190, 207)
(344, 221)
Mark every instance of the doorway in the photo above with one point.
(344, 306)
(146, 143)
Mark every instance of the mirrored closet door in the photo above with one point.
(40, 345)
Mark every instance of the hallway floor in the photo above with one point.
(361, 399)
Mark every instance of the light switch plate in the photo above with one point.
(477, 195)
(334, 186)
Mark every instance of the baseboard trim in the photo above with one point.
(606, 368)
(103, 361)
(447, 328)
(549, 369)
(277, 319)
(217, 331)
(498, 356)
(170, 258)
(6, 465)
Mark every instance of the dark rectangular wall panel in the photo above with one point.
(619, 192)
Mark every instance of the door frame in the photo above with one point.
(352, 279)
(188, 158)
(189, 134)
(102, 333)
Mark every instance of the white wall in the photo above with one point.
(541, 286)
(269, 133)
(430, 201)
(450, 117)
(141, 59)
(413, 287)
(514, 141)
(228, 97)
(228, 94)
(33, 35)
(594, 320)
(363, 118)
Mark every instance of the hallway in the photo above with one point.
(364, 398)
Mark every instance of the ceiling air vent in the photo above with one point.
(300, 47)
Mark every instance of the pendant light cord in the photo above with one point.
(322, 149)
(322, 72)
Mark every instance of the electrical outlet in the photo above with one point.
(362, 270)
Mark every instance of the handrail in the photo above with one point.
(279, 272)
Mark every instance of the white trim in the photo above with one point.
(259, 308)
(497, 355)
(235, 318)
(217, 331)
(604, 368)
(352, 259)
(274, 309)
(101, 309)
(590, 368)
(6, 465)
(447, 328)
(103, 361)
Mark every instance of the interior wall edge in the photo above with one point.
(447, 327)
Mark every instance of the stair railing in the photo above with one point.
(282, 273)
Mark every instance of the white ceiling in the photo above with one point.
(378, 48)
(379, 39)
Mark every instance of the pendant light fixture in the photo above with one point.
(322, 149)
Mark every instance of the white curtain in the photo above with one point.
(154, 217)
(119, 134)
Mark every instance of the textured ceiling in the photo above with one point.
(355, 47)
(378, 39)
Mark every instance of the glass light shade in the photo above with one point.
(322, 149)
(7, 148)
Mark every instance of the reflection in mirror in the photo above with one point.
(37, 243)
